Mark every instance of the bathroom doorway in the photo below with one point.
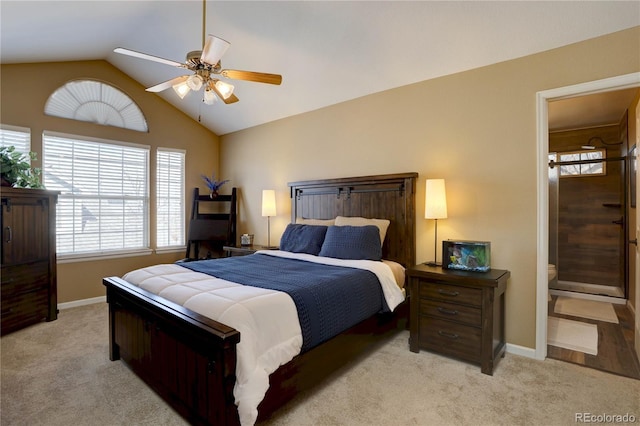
(591, 222)
(587, 202)
(543, 100)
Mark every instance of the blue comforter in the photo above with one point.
(329, 299)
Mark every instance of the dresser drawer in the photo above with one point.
(449, 311)
(24, 278)
(451, 293)
(24, 309)
(449, 338)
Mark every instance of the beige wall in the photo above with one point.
(25, 89)
(476, 129)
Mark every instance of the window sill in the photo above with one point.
(173, 249)
(91, 257)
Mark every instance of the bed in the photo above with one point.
(191, 361)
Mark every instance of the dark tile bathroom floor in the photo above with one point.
(616, 353)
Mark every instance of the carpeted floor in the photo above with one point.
(59, 373)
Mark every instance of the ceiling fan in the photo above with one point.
(207, 70)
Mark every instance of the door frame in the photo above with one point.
(626, 81)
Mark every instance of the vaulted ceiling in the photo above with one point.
(327, 52)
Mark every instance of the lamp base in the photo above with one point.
(433, 263)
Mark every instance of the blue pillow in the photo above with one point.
(299, 238)
(352, 242)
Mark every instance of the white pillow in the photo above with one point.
(382, 224)
(321, 222)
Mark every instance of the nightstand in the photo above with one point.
(458, 313)
(244, 250)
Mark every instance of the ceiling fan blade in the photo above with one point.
(213, 50)
(167, 84)
(259, 77)
(141, 55)
(230, 100)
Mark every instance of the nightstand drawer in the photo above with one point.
(451, 293)
(449, 311)
(450, 338)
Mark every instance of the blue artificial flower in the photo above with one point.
(212, 183)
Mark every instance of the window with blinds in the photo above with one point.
(18, 137)
(103, 206)
(170, 198)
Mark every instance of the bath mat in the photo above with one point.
(574, 335)
(601, 311)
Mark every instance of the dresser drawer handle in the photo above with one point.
(447, 311)
(448, 293)
(449, 335)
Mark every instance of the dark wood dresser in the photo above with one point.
(458, 313)
(29, 291)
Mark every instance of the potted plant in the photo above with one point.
(15, 169)
(213, 184)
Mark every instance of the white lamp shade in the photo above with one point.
(435, 204)
(209, 97)
(195, 82)
(182, 89)
(225, 89)
(268, 202)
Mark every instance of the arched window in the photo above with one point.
(96, 102)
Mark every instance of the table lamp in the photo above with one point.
(435, 207)
(268, 210)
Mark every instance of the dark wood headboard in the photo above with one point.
(376, 197)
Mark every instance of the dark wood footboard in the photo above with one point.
(188, 359)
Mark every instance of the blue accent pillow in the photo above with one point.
(352, 242)
(299, 238)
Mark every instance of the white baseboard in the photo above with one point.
(83, 302)
(521, 350)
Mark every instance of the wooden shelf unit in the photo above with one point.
(212, 223)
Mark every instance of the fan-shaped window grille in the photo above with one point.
(96, 102)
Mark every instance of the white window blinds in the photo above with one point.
(18, 137)
(170, 198)
(103, 201)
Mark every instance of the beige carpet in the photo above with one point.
(574, 335)
(592, 309)
(58, 373)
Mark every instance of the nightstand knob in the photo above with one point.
(448, 293)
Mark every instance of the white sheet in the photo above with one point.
(267, 320)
